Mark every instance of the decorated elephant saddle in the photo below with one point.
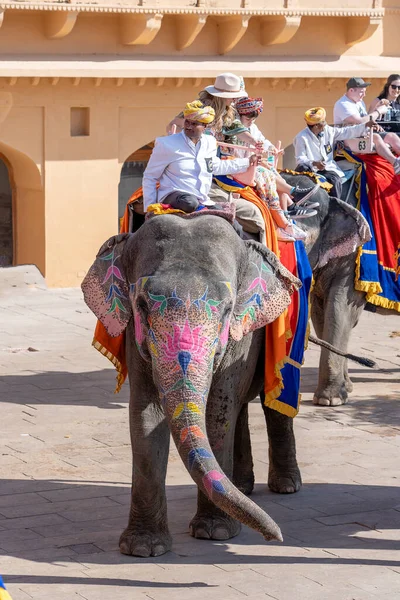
(226, 210)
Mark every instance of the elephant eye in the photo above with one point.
(141, 304)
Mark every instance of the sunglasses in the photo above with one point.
(395, 87)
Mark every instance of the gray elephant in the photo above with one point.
(193, 299)
(335, 233)
(334, 236)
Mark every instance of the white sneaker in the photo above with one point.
(295, 232)
(283, 236)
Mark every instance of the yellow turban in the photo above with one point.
(315, 115)
(196, 111)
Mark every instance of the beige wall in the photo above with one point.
(98, 34)
(66, 188)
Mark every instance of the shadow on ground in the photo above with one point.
(92, 388)
(343, 515)
(380, 409)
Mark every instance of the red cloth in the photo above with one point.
(384, 206)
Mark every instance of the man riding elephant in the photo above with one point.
(183, 164)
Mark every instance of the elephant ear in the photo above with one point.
(264, 291)
(344, 230)
(105, 289)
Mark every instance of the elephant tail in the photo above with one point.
(361, 360)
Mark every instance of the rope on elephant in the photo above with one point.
(319, 179)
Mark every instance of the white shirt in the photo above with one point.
(258, 136)
(345, 108)
(308, 147)
(178, 164)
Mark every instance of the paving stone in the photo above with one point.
(46, 507)
(65, 487)
(33, 521)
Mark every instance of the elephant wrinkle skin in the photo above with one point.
(193, 298)
(334, 236)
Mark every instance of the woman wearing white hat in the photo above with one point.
(219, 96)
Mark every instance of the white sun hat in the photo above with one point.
(227, 85)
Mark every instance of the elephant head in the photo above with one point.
(337, 230)
(190, 288)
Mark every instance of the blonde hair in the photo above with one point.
(224, 115)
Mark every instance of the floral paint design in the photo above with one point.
(182, 336)
(113, 275)
(265, 298)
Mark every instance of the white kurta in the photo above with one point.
(178, 164)
(309, 148)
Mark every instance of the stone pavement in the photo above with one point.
(65, 475)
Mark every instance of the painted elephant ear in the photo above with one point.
(105, 288)
(343, 231)
(264, 292)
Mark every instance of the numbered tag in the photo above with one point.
(209, 164)
(362, 145)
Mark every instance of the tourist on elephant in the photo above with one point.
(183, 164)
(314, 146)
(265, 186)
(295, 200)
(391, 92)
(220, 97)
(350, 109)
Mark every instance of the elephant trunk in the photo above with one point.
(186, 419)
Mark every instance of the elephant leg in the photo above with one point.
(341, 314)
(317, 314)
(243, 468)
(347, 381)
(147, 531)
(284, 474)
(209, 521)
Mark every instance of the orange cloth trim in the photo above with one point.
(275, 332)
(113, 348)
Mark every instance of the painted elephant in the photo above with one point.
(193, 299)
(334, 235)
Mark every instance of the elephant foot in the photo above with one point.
(245, 485)
(348, 385)
(144, 544)
(333, 397)
(210, 527)
(287, 482)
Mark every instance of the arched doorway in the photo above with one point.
(131, 175)
(6, 217)
(21, 178)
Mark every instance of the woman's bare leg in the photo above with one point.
(382, 148)
(393, 140)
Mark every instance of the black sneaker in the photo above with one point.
(302, 195)
(298, 212)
